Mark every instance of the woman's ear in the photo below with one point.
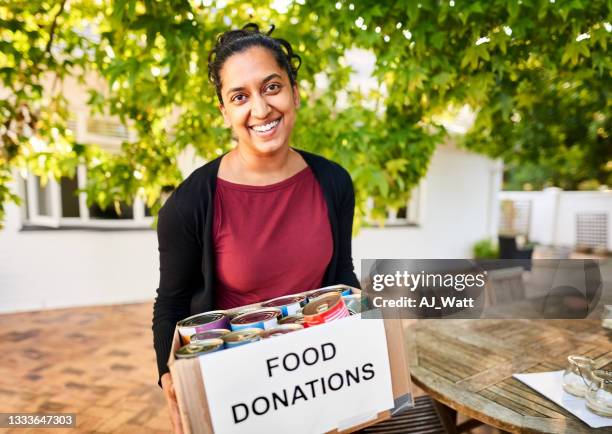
(296, 96)
(226, 119)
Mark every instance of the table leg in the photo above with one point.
(447, 415)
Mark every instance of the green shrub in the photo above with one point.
(485, 249)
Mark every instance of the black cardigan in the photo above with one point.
(186, 251)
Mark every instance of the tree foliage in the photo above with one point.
(536, 73)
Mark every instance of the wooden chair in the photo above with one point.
(505, 285)
(420, 419)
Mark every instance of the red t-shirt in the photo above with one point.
(270, 240)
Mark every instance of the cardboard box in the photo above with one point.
(194, 401)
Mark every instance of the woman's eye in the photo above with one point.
(239, 98)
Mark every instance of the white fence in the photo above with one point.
(554, 216)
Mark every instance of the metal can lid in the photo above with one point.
(208, 334)
(292, 319)
(285, 300)
(242, 335)
(321, 292)
(282, 330)
(321, 304)
(242, 311)
(195, 349)
(256, 316)
(202, 318)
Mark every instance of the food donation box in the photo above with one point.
(339, 376)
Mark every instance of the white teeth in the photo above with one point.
(266, 127)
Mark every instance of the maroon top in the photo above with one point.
(270, 240)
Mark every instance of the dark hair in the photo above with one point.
(237, 41)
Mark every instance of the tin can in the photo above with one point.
(353, 303)
(289, 304)
(244, 310)
(292, 319)
(242, 337)
(208, 334)
(339, 289)
(216, 319)
(199, 349)
(261, 319)
(325, 308)
(281, 330)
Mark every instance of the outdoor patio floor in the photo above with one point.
(97, 362)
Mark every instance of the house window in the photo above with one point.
(44, 199)
(409, 215)
(107, 128)
(59, 203)
(70, 198)
(125, 212)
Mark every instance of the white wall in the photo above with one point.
(47, 269)
(460, 208)
(60, 268)
(553, 213)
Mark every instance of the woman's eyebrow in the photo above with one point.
(264, 81)
(270, 77)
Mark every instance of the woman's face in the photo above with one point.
(259, 103)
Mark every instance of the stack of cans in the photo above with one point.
(213, 331)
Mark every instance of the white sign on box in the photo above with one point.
(308, 381)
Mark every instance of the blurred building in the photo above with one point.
(57, 251)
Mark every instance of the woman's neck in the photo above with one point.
(243, 167)
(262, 164)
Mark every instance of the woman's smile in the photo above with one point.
(266, 129)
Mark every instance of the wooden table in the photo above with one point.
(467, 365)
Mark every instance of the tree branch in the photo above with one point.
(53, 27)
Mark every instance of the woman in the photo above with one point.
(263, 220)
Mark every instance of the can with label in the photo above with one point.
(199, 349)
(208, 334)
(281, 330)
(261, 319)
(292, 319)
(353, 303)
(289, 304)
(242, 337)
(216, 319)
(243, 310)
(340, 289)
(323, 309)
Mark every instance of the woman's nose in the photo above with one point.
(260, 107)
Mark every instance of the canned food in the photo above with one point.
(292, 319)
(281, 330)
(289, 304)
(241, 337)
(339, 289)
(208, 334)
(188, 327)
(199, 349)
(353, 303)
(261, 319)
(244, 310)
(326, 308)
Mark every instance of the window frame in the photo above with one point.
(56, 221)
(415, 211)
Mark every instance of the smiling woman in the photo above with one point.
(262, 221)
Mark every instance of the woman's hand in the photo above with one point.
(175, 417)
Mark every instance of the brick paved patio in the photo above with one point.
(97, 362)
